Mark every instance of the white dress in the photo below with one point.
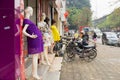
(47, 41)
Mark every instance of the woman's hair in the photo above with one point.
(53, 22)
(47, 20)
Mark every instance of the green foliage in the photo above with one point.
(85, 17)
(112, 20)
(80, 13)
(74, 15)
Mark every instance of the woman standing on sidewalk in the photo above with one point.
(34, 40)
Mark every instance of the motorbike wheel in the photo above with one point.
(92, 54)
(69, 52)
(71, 55)
(67, 58)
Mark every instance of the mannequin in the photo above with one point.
(43, 26)
(50, 48)
(34, 39)
(55, 34)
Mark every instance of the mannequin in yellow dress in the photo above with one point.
(55, 34)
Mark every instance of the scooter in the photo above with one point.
(86, 52)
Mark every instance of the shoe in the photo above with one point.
(56, 55)
(38, 61)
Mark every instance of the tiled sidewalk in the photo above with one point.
(47, 72)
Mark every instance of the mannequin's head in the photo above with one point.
(29, 10)
(43, 17)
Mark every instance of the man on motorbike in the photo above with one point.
(85, 37)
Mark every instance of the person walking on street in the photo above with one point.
(94, 37)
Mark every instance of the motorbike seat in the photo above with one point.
(89, 46)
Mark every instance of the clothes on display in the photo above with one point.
(55, 33)
(44, 27)
(34, 45)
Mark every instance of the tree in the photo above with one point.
(73, 16)
(79, 13)
(85, 17)
(79, 17)
(112, 20)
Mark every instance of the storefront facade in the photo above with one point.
(12, 51)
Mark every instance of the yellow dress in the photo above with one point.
(55, 33)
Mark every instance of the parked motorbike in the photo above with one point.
(59, 47)
(86, 52)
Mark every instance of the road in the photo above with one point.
(106, 66)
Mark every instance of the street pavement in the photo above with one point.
(106, 66)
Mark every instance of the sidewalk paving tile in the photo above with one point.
(47, 72)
